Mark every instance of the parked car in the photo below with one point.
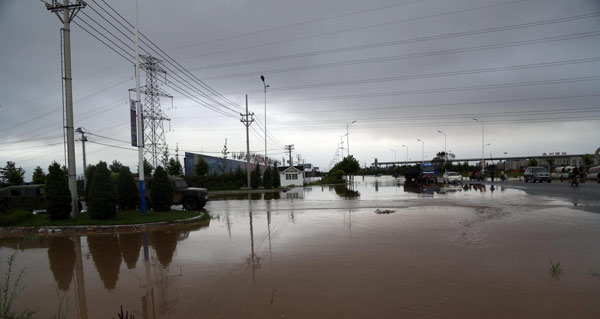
(537, 173)
(29, 197)
(192, 198)
(452, 177)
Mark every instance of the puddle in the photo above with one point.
(323, 252)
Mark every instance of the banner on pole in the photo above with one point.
(133, 113)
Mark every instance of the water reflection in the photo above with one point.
(164, 243)
(61, 256)
(345, 192)
(106, 254)
(130, 248)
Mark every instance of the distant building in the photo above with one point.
(291, 176)
(216, 165)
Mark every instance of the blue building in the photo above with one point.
(216, 164)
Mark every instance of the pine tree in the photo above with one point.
(116, 166)
(128, 194)
(12, 174)
(255, 177)
(57, 194)
(276, 177)
(90, 171)
(161, 192)
(174, 167)
(103, 195)
(268, 178)
(39, 177)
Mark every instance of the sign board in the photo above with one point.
(133, 118)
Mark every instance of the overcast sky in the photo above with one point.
(402, 69)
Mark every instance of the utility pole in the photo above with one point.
(139, 117)
(342, 145)
(68, 14)
(289, 149)
(262, 77)
(247, 119)
(83, 140)
(482, 148)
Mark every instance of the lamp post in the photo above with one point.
(406, 153)
(262, 77)
(482, 146)
(423, 144)
(348, 136)
(445, 145)
(394, 156)
(505, 161)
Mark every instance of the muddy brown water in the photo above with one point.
(323, 252)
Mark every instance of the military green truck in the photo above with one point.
(28, 197)
(192, 198)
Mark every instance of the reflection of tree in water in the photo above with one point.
(256, 196)
(164, 243)
(107, 258)
(274, 195)
(130, 248)
(345, 192)
(61, 254)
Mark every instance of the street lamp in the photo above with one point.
(482, 146)
(445, 149)
(505, 161)
(262, 77)
(348, 136)
(394, 156)
(406, 153)
(422, 142)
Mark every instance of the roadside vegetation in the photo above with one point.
(127, 217)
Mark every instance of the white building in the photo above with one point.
(291, 176)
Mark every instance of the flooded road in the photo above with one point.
(323, 252)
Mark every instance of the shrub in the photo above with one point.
(161, 192)
(128, 193)
(39, 177)
(103, 195)
(268, 179)
(57, 194)
(90, 171)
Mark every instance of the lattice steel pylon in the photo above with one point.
(155, 142)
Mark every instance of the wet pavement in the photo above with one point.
(322, 251)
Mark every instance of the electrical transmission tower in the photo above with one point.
(289, 148)
(155, 142)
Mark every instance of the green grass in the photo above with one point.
(13, 217)
(122, 218)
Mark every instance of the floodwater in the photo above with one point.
(323, 252)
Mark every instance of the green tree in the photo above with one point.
(276, 177)
(128, 193)
(147, 169)
(39, 177)
(268, 178)
(116, 166)
(532, 162)
(587, 160)
(174, 167)
(90, 171)
(550, 162)
(200, 171)
(57, 194)
(102, 203)
(12, 174)
(255, 177)
(161, 192)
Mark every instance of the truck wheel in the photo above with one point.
(190, 203)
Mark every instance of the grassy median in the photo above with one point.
(122, 218)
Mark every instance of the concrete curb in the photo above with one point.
(6, 232)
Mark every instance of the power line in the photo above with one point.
(406, 41)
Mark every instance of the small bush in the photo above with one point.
(161, 192)
(128, 193)
(14, 217)
(276, 178)
(103, 195)
(57, 194)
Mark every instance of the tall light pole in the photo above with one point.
(422, 142)
(445, 145)
(406, 153)
(140, 118)
(505, 161)
(394, 156)
(482, 146)
(262, 77)
(83, 140)
(348, 136)
(66, 13)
